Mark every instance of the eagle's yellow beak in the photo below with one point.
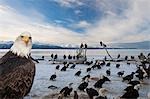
(25, 39)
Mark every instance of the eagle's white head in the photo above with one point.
(22, 45)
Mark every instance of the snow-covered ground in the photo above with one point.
(45, 69)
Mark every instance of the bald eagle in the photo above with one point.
(17, 70)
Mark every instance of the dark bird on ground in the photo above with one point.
(88, 69)
(55, 57)
(53, 77)
(87, 76)
(120, 74)
(52, 87)
(52, 55)
(128, 88)
(76, 96)
(134, 82)
(94, 66)
(98, 66)
(128, 77)
(67, 90)
(83, 85)
(103, 63)
(57, 67)
(108, 64)
(118, 56)
(117, 65)
(126, 58)
(102, 93)
(131, 93)
(108, 72)
(63, 68)
(132, 57)
(101, 43)
(91, 92)
(100, 82)
(89, 63)
(73, 66)
(17, 70)
(64, 56)
(81, 46)
(78, 73)
(128, 63)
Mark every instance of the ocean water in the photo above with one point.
(45, 69)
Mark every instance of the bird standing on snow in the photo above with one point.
(108, 72)
(17, 70)
(78, 73)
(91, 92)
(132, 93)
(53, 77)
(67, 90)
(83, 85)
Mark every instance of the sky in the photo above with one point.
(76, 21)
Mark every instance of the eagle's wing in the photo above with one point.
(16, 76)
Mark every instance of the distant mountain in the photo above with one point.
(137, 45)
(38, 45)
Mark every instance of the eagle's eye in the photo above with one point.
(30, 38)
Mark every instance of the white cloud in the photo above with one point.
(12, 24)
(69, 3)
(132, 24)
(82, 24)
(124, 27)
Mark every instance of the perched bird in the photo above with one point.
(87, 76)
(78, 73)
(128, 88)
(73, 66)
(108, 72)
(132, 93)
(17, 70)
(117, 65)
(83, 85)
(134, 82)
(118, 56)
(128, 77)
(102, 93)
(108, 64)
(67, 90)
(120, 74)
(88, 69)
(100, 82)
(52, 87)
(63, 68)
(53, 77)
(76, 96)
(91, 92)
(132, 57)
(126, 58)
(57, 67)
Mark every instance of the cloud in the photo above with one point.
(82, 24)
(13, 23)
(69, 3)
(126, 26)
(120, 21)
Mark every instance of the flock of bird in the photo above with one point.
(98, 91)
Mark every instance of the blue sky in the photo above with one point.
(75, 21)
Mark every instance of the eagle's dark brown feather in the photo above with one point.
(16, 76)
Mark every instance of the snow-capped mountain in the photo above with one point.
(39, 45)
